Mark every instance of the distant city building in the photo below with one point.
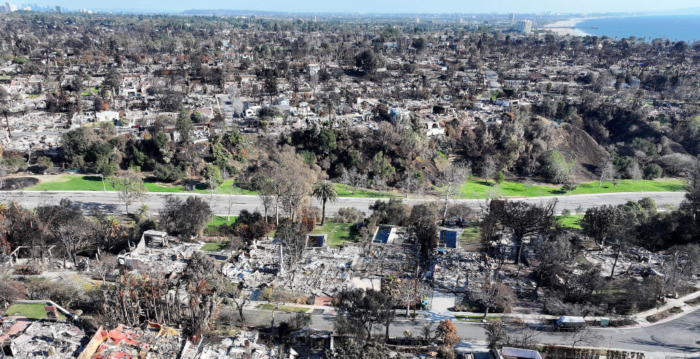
(512, 19)
(58, 9)
(524, 26)
(8, 7)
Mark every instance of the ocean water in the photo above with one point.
(672, 27)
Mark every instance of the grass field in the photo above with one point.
(346, 191)
(338, 233)
(473, 189)
(480, 189)
(572, 221)
(71, 183)
(94, 183)
(31, 311)
(214, 247)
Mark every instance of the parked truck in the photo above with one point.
(569, 323)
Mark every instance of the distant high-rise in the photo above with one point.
(512, 19)
(524, 26)
(58, 9)
(9, 7)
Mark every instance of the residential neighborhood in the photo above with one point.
(244, 184)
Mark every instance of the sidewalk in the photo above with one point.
(526, 318)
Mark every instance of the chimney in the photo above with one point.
(51, 312)
(281, 259)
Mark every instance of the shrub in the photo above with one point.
(167, 172)
(653, 171)
(15, 164)
(348, 215)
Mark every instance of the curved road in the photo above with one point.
(679, 338)
(110, 202)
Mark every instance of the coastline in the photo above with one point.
(567, 27)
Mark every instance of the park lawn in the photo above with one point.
(571, 221)
(214, 247)
(479, 188)
(71, 183)
(94, 183)
(31, 311)
(338, 233)
(346, 191)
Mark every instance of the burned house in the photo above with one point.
(311, 343)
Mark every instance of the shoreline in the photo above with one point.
(567, 27)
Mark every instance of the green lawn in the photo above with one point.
(338, 233)
(346, 191)
(284, 308)
(479, 188)
(214, 247)
(31, 311)
(470, 237)
(71, 183)
(94, 183)
(572, 221)
(472, 189)
(219, 220)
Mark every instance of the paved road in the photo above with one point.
(674, 339)
(111, 203)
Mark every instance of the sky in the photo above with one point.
(382, 6)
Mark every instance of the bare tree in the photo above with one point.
(230, 192)
(106, 265)
(585, 336)
(410, 183)
(488, 168)
(240, 302)
(492, 294)
(607, 172)
(451, 180)
(354, 179)
(524, 219)
(636, 172)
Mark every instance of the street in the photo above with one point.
(680, 336)
(109, 201)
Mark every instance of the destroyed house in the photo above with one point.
(23, 338)
(317, 240)
(311, 343)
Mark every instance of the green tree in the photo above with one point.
(367, 61)
(184, 125)
(130, 187)
(500, 177)
(381, 166)
(213, 175)
(324, 191)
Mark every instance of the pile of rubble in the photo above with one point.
(23, 338)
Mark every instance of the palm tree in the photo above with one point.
(324, 191)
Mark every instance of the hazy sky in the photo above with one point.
(383, 6)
